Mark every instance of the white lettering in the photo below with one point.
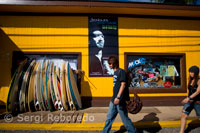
(38, 119)
(20, 116)
(56, 118)
(137, 62)
(91, 118)
(26, 118)
(130, 64)
(50, 117)
(62, 118)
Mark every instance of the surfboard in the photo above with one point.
(48, 93)
(39, 104)
(27, 84)
(52, 93)
(14, 84)
(62, 87)
(55, 87)
(35, 98)
(60, 104)
(23, 92)
(73, 88)
(58, 80)
(8, 108)
(31, 89)
(43, 84)
(15, 101)
(69, 97)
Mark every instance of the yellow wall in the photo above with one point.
(70, 34)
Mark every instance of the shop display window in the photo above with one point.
(58, 58)
(156, 71)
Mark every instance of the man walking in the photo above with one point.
(120, 96)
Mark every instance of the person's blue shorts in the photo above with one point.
(188, 107)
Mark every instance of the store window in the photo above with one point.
(74, 60)
(157, 72)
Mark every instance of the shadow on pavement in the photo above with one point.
(192, 125)
(152, 120)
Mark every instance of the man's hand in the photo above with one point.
(79, 71)
(116, 101)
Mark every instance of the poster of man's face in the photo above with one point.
(103, 42)
(98, 38)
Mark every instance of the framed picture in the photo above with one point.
(103, 42)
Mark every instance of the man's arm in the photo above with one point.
(116, 101)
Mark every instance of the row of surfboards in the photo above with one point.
(41, 85)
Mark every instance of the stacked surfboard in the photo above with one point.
(41, 85)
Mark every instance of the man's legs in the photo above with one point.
(111, 115)
(125, 119)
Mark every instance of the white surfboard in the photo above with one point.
(62, 87)
(52, 92)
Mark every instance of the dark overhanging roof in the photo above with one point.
(128, 8)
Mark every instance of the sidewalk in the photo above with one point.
(92, 119)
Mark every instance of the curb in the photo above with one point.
(88, 126)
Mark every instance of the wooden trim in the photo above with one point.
(162, 101)
(94, 7)
(93, 14)
(101, 4)
(88, 101)
(183, 72)
(78, 54)
(156, 90)
(182, 89)
(147, 101)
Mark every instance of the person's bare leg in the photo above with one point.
(183, 122)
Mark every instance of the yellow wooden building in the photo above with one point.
(53, 27)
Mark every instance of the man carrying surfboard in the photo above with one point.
(120, 96)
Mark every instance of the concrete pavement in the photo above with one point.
(94, 117)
